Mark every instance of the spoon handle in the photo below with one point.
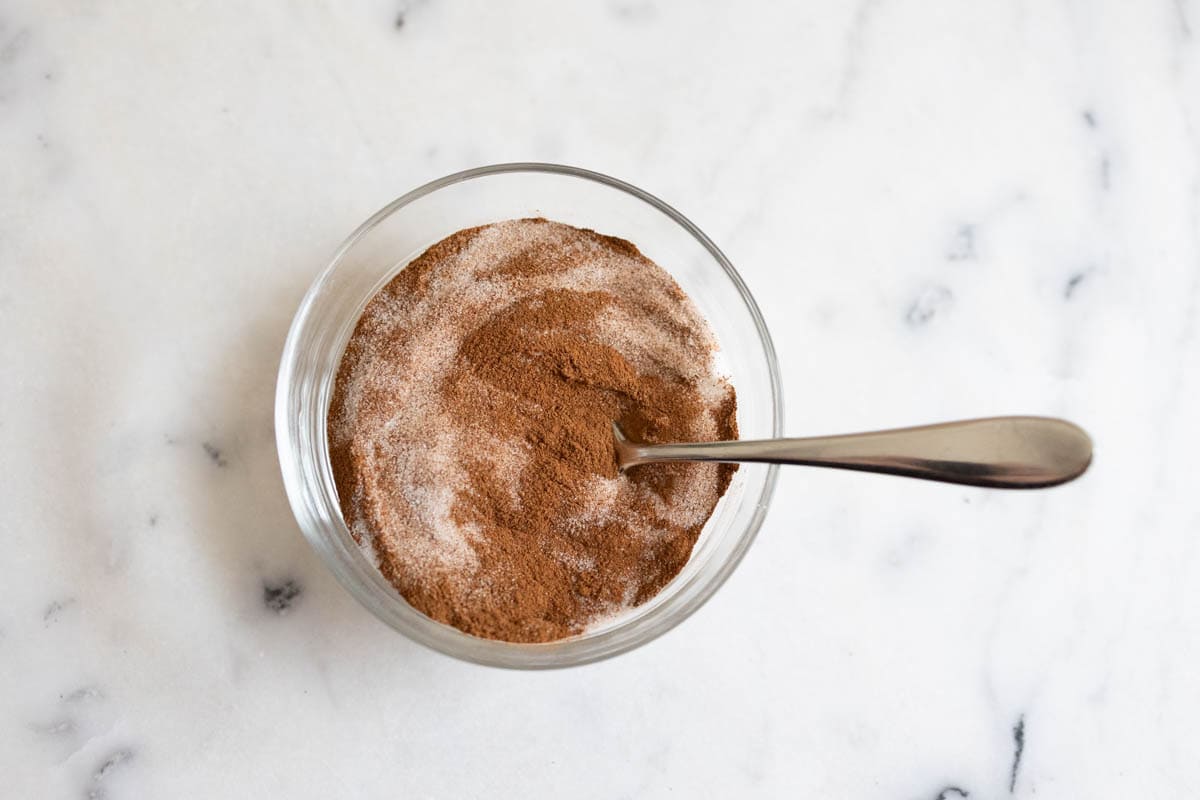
(999, 452)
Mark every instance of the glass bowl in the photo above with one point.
(388, 241)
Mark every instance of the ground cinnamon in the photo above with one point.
(470, 439)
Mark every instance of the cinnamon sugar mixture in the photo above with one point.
(470, 435)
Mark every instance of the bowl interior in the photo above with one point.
(404, 229)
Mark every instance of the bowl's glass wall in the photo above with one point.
(400, 232)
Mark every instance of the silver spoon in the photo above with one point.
(1000, 452)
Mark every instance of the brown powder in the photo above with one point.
(470, 435)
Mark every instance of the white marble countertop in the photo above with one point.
(945, 210)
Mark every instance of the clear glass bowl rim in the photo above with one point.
(468, 648)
